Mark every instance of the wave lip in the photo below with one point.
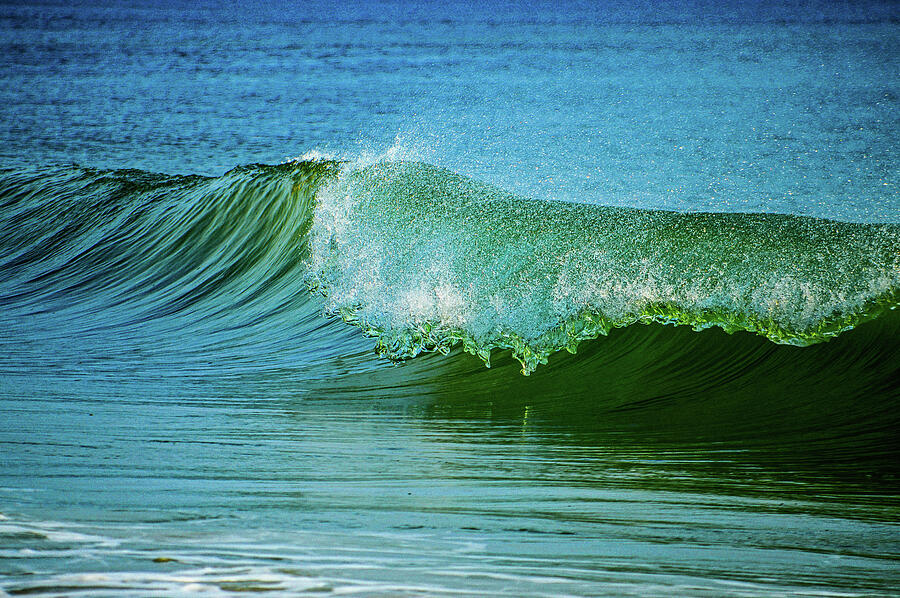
(424, 259)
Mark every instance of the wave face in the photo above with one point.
(421, 258)
(424, 259)
(107, 250)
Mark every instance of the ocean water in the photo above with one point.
(490, 299)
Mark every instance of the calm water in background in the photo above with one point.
(692, 105)
(269, 449)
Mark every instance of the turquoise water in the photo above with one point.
(270, 278)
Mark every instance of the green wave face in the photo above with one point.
(140, 246)
(425, 259)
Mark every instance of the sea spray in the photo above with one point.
(424, 259)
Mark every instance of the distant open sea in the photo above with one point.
(449, 299)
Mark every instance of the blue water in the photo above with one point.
(182, 408)
(686, 106)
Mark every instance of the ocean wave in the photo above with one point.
(422, 259)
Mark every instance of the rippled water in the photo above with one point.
(183, 408)
(153, 481)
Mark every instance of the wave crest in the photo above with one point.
(424, 259)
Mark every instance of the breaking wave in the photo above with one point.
(423, 259)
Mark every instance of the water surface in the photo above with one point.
(681, 222)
